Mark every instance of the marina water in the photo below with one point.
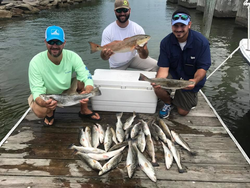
(21, 39)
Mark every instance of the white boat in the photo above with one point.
(245, 42)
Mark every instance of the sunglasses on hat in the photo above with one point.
(57, 42)
(181, 16)
(125, 10)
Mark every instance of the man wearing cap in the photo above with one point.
(184, 54)
(120, 29)
(50, 72)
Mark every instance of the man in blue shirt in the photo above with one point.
(184, 54)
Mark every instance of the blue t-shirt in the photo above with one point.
(184, 64)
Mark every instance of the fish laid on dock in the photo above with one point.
(126, 45)
(86, 149)
(145, 165)
(111, 164)
(140, 140)
(131, 161)
(94, 164)
(179, 140)
(176, 155)
(166, 83)
(107, 139)
(105, 156)
(129, 121)
(70, 100)
(95, 136)
(120, 134)
(168, 156)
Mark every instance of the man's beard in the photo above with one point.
(118, 18)
(57, 55)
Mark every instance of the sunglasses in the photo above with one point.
(57, 42)
(182, 16)
(125, 10)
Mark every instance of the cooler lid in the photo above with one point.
(121, 78)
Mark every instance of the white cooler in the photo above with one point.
(123, 92)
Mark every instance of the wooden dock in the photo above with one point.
(37, 156)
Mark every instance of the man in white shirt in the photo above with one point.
(120, 29)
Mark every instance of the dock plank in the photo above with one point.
(38, 156)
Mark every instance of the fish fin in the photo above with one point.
(93, 47)
(142, 77)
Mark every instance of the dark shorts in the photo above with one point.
(185, 99)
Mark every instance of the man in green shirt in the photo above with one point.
(50, 72)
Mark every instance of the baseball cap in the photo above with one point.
(181, 15)
(54, 32)
(121, 4)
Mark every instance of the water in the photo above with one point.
(21, 39)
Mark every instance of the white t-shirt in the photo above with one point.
(113, 32)
(182, 45)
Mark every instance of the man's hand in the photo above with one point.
(86, 90)
(50, 104)
(106, 53)
(142, 51)
(190, 87)
(155, 86)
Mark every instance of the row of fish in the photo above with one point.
(138, 137)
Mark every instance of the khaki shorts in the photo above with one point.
(30, 101)
(148, 64)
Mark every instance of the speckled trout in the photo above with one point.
(70, 100)
(120, 46)
(166, 83)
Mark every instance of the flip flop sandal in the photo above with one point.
(49, 119)
(88, 116)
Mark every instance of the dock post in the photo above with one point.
(208, 17)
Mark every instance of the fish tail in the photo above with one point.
(182, 170)
(119, 115)
(71, 146)
(143, 77)
(193, 153)
(155, 163)
(94, 47)
(75, 152)
(96, 91)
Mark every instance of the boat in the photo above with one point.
(245, 42)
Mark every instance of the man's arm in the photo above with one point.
(162, 72)
(198, 76)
